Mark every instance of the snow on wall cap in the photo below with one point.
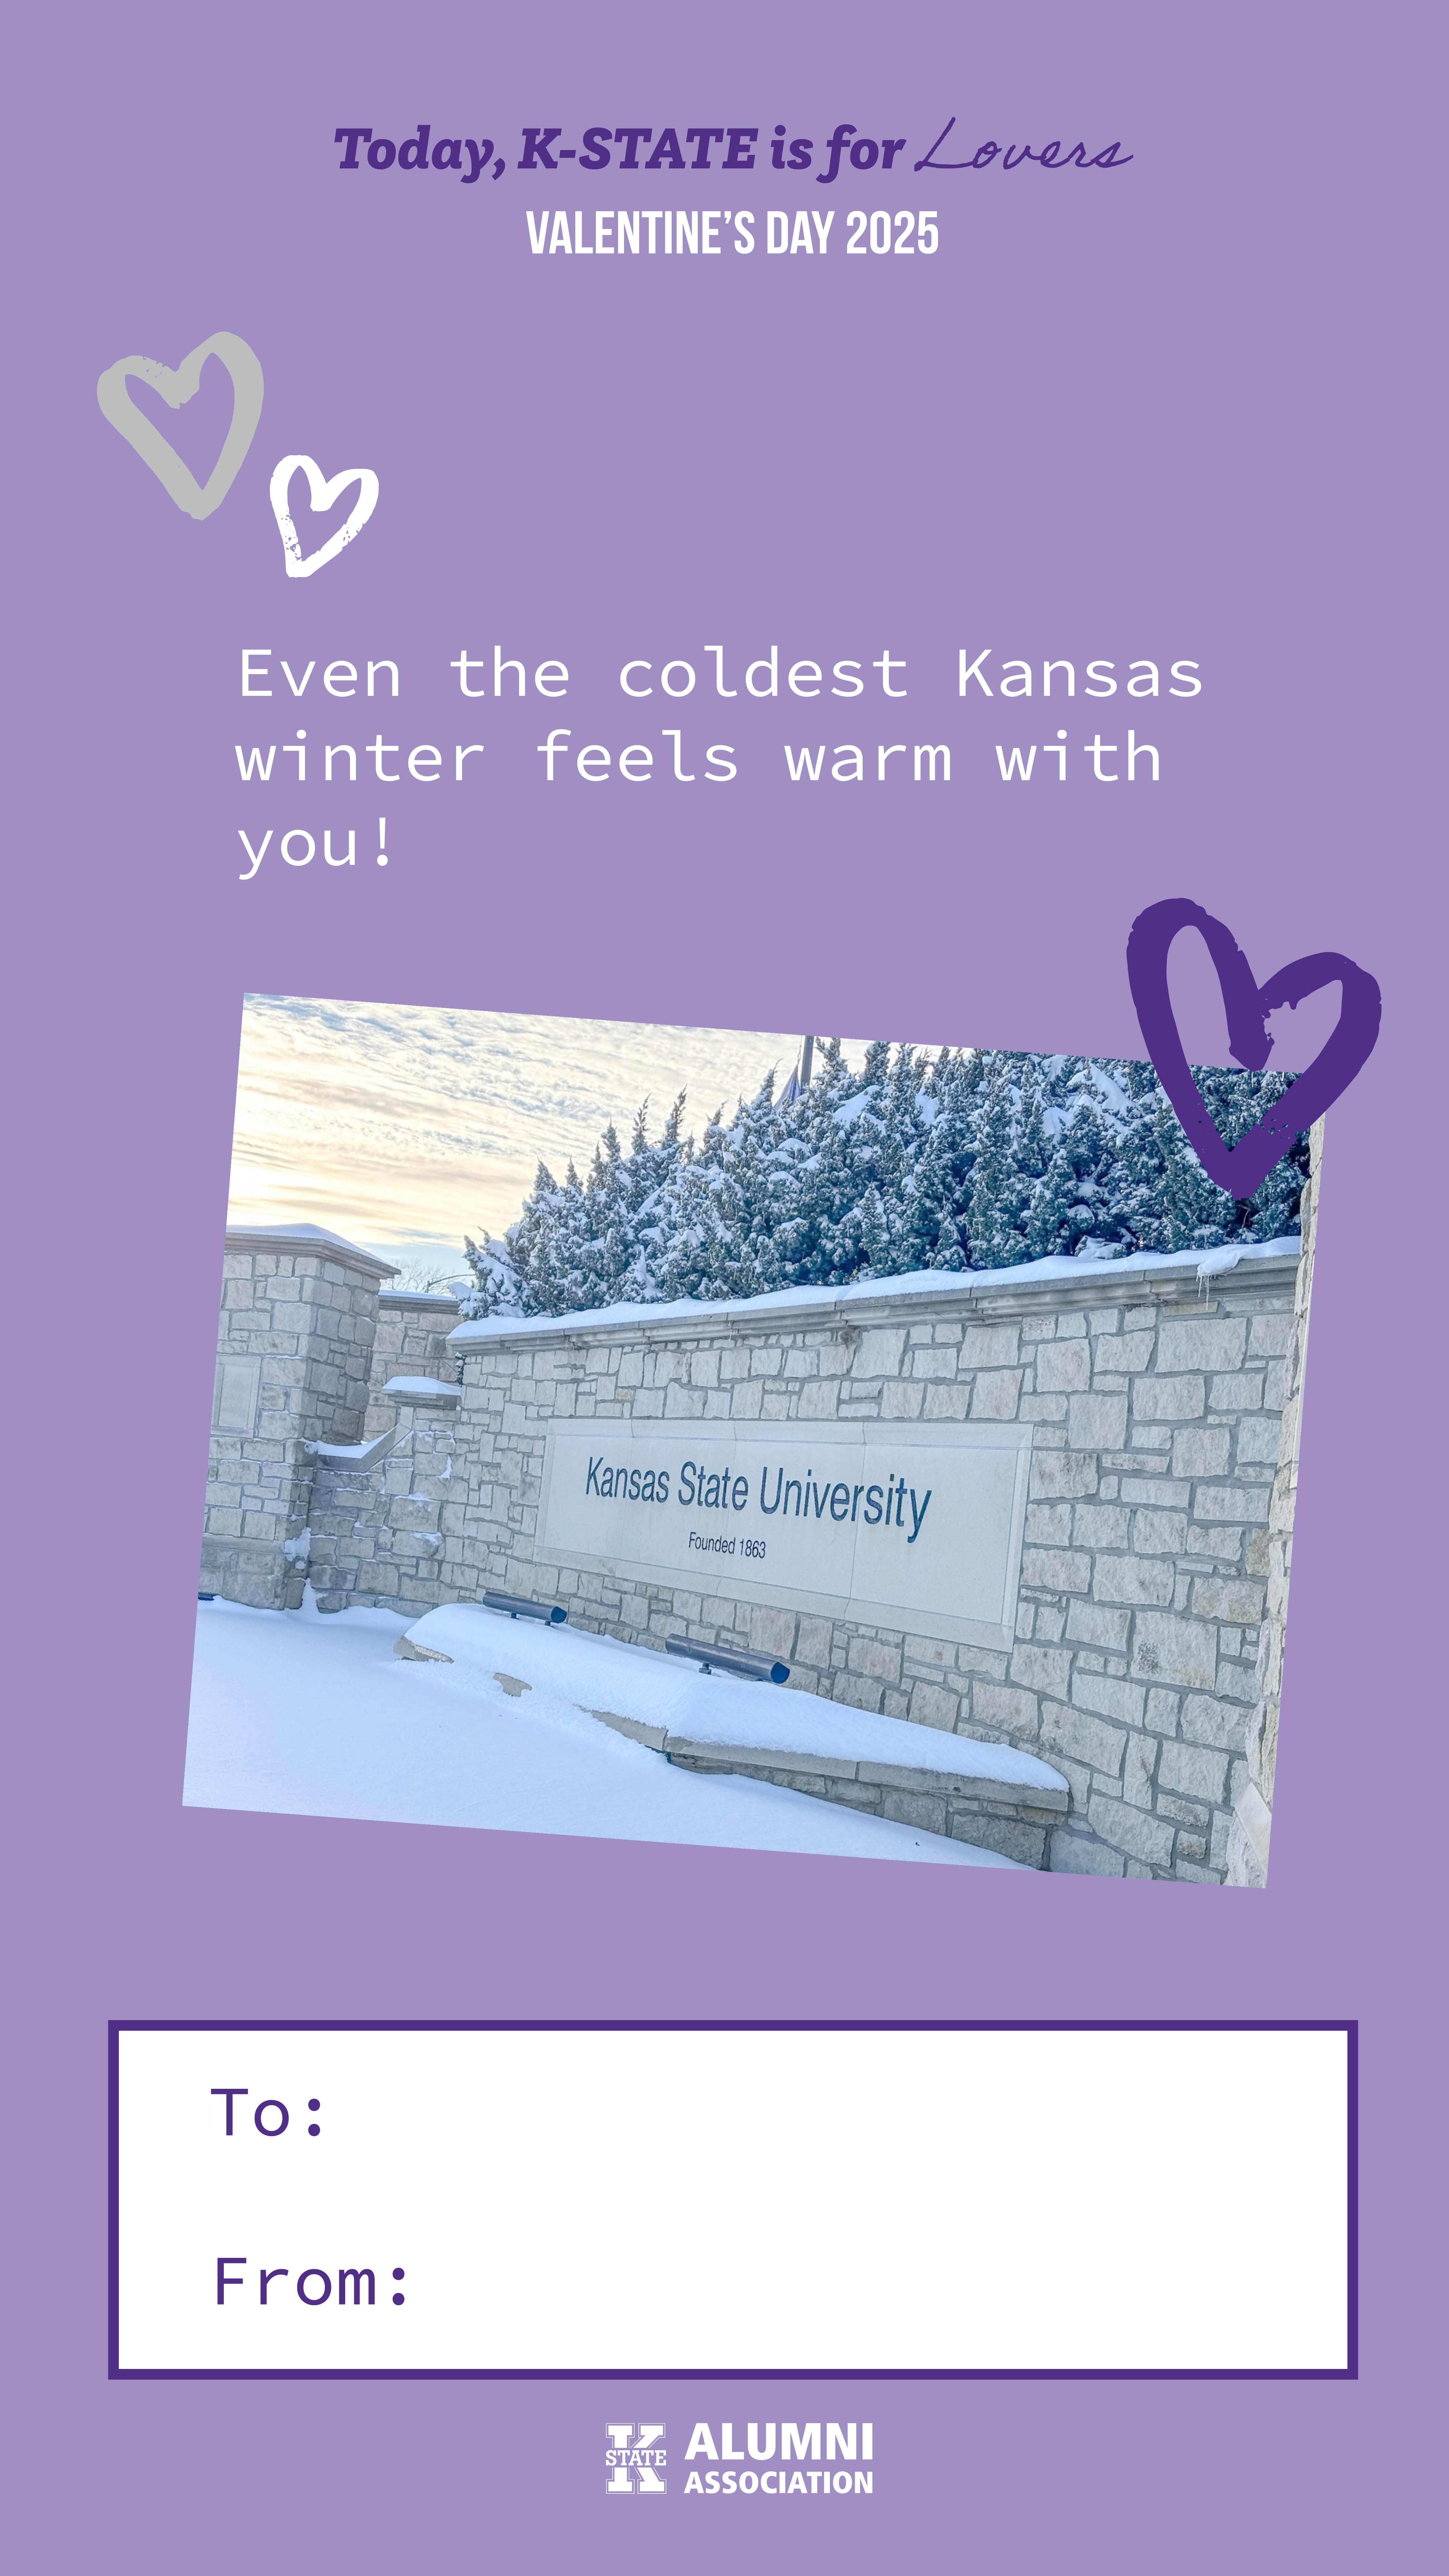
(306, 1238)
(423, 1390)
(1058, 1271)
(444, 1299)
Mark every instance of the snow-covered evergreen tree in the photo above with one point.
(971, 1161)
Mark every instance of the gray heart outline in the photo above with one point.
(176, 385)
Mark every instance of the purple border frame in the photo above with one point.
(114, 2030)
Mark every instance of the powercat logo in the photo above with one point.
(803, 2460)
(634, 2459)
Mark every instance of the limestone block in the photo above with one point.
(1159, 1533)
(1162, 1495)
(1237, 1681)
(1056, 1569)
(1217, 1597)
(1270, 1336)
(1042, 1668)
(1121, 1701)
(910, 1807)
(768, 1631)
(1133, 1580)
(818, 1400)
(933, 1363)
(1194, 1771)
(856, 1692)
(985, 1346)
(1057, 1472)
(1097, 1422)
(1049, 1524)
(1101, 1525)
(1167, 1399)
(813, 1639)
(931, 1705)
(1144, 1837)
(1202, 1452)
(1083, 1856)
(1239, 1391)
(1089, 1624)
(1000, 1708)
(683, 1403)
(1185, 1811)
(995, 1395)
(1023, 1842)
(1076, 1734)
(1202, 1342)
(879, 1352)
(828, 1766)
(881, 1663)
(1132, 1352)
(900, 1400)
(1259, 1440)
(800, 1362)
(766, 1362)
(947, 1403)
(1063, 1368)
(1235, 1502)
(1174, 1650)
(1042, 1408)
(1138, 1765)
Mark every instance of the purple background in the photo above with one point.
(1176, 410)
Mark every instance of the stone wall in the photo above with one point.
(1161, 1396)
(1155, 1397)
(294, 1348)
(376, 1518)
(1247, 1847)
(412, 1341)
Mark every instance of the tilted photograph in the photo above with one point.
(866, 1448)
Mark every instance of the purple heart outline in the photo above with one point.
(1243, 1167)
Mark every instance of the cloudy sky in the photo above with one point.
(404, 1128)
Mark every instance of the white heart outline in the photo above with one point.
(300, 567)
(176, 385)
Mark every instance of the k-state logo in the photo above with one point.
(634, 2459)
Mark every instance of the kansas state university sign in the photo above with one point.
(900, 1525)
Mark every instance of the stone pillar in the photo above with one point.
(1252, 1818)
(412, 1341)
(298, 1321)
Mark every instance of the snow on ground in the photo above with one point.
(710, 1708)
(299, 1715)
